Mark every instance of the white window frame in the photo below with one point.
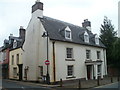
(14, 44)
(99, 69)
(88, 54)
(67, 29)
(12, 60)
(68, 71)
(98, 53)
(15, 72)
(86, 37)
(41, 70)
(17, 58)
(96, 39)
(69, 53)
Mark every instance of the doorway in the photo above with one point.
(20, 71)
(89, 71)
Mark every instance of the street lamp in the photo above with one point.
(45, 34)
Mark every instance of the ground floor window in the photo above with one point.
(99, 69)
(25, 73)
(15, 72)
(41, 70)
(70, 70)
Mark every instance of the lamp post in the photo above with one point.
(45, 34)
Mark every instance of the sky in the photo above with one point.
(16, 13)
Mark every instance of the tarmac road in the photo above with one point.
(12, 85)
(113, 86)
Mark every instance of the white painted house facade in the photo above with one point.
(74, 52)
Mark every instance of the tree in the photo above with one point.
(116, 53)
(107, 35)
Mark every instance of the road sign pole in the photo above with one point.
(47, 76)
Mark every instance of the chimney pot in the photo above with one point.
(37, 1)
(86, 24)
(21, 27)
(11, 34)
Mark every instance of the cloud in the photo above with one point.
(16, 13)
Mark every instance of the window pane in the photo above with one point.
(12, 59)
(41, 70)
(15, 72)
(86, 37)
(87, 54)
(70, 70)
(17, 57)
(68, 34)
(98, 54)
(69, 52)
(99, 69)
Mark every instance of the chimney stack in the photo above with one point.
(22, 32)
(87, 24)
(37, 9)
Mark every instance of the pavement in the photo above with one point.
(87, 84)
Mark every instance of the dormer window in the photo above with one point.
(86, 37)
(67, 33)
(96, 39)
(14, 44)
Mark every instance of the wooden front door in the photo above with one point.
(20, 71)
(89, 72)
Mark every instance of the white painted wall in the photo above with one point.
(79, 54)
(34, 47)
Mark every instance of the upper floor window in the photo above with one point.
(17, 58)
(70, 70)
(86, 37)
(14, 44)
(97, 39)
(41, 70)
(67, 33)
(98, 54)
(88, 54)
(12, 60)
(69, 52)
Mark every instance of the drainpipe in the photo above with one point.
(54, 71)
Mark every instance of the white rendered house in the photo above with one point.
(74, 52)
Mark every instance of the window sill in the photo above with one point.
(68, 77)
(88, 60)
(15, 77)
(69, 59)
(98, 59)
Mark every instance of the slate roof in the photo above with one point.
(19, 40)
(54, 28)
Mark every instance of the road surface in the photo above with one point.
(15, 85)
(113, 86)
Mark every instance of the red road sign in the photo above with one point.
(47, 62)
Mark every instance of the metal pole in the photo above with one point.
(47, 76)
